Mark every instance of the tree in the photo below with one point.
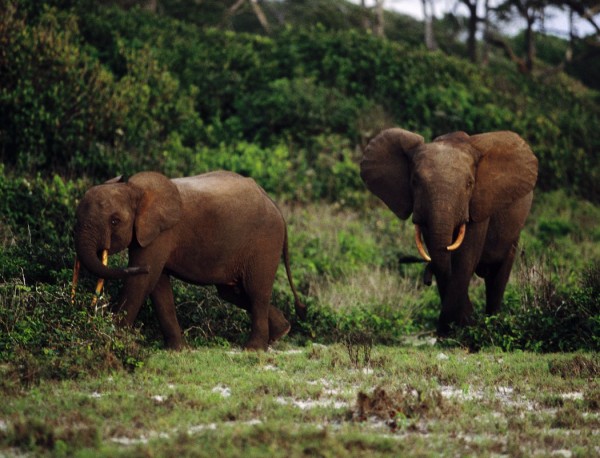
(260, 15)
(429, 15)
(379, 26)
(532, 11)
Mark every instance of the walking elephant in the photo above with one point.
(218, 228)
(469, 197)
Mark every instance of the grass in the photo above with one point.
(73, 385)
(294, 401)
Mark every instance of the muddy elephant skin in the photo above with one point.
(217, 229)
(469, 197)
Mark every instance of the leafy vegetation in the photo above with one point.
(89, 91)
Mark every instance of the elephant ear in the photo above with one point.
(159, 207)
(507, 170)
(385, 168)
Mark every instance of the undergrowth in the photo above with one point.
(348, 266)
(45, 336)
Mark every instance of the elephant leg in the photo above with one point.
(279, 326)
(132, 297)
(456, 305)
(258, 284)
(495, 282)
(164, 305)
(138, 287)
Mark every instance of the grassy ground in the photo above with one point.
(68, 389)
(320, 401)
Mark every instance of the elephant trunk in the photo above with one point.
(438, 237)
(88, 249)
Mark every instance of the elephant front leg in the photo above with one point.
(496, 280)
(164, 305)
(138, 287)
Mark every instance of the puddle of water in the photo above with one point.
(575, 396)
(224, 391)
(312, 403)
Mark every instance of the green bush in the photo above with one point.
(53, 95)
(38, 215)
(541, 318)
(45, 336)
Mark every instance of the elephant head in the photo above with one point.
(448, 183)
(113, 215)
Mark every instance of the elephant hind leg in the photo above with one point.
(279, 326)
(496, 279)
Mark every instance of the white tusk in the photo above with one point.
(419, 243)
(100, 283)
(459, 238)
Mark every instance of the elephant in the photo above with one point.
(469, 197)
(218, 228)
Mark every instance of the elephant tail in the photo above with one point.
(299, 306)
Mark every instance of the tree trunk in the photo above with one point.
(430, 42)
(379, 24)
(472, 38)
(260, 15)
(530, 44)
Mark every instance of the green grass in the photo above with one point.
(293, 401)
(74, 385)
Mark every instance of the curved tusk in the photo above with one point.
(419, 243)
(100, 283)
(75, 278)
(459, 238)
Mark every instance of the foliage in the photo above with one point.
(45, 336)
(38, 215)
(544, 319)
(158, 90)
(89, 91)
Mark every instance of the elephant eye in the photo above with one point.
(115, 220)
(469, 184)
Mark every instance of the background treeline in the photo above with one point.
(90, 90)
(98, 90)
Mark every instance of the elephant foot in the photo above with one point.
(278, 330)
(278, 325)
(174, 343)
(443, 330)
(256, 345)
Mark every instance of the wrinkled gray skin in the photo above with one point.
(218, 228)
(485, 181)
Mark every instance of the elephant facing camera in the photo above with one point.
(469, 197)
(218, 228)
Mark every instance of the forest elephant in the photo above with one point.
(218, 228)
(469, 197)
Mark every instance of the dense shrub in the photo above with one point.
(88, 92)
(37, 217)
(543, 317)
(137, 90)
(62, 111)
(43, 335)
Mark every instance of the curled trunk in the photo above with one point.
(87, 252)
